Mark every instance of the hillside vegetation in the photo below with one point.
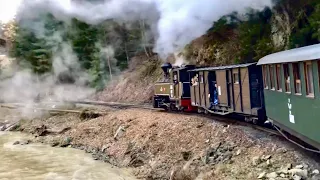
(289, 24)
(232, 39)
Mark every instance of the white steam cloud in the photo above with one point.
(175, 23)
(23, 86)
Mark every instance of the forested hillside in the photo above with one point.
(107, 48)
(102, 49)
(289, 24)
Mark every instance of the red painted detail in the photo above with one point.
(186, 103)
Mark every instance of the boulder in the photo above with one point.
(303, 173)
(256, 160)
(238, 152)
(296, 177)
(299, 167)
(22, 142)
(119, 133)
(272, 175)
(262, 175)
(316, 171)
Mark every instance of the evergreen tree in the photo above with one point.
(31, 51)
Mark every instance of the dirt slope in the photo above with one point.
(135, 84)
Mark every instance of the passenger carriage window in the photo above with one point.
(201, 78)
(296, 76)
(271, 73)
(279, 80)
(265, 79)
(308, 74)
(286, 77)
(175, 78)
(195, 80)
(236, 78)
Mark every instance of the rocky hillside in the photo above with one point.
(136, 83)
(237, 39)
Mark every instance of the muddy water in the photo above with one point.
(41, 162)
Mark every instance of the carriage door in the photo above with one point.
(222, 87)
(176, 84)
(229, 88)
(203, 80)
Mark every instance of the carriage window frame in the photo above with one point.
(175, 77)
(201, 79)
(278, 77)
(195, 79)
(297, 78)
(286, 76)
(265, 76)
(309, 79)
(236, 79)
(271, 77)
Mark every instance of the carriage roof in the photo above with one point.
(223, 67)
(293, 55)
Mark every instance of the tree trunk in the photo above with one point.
(142, 27)
(109, 64)
(126, 51)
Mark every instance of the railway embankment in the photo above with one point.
(159, 145)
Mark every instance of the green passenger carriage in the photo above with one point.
(292, 91)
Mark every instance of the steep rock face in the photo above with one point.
(280, 30)
(212, 49)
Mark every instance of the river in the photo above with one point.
(42, 162)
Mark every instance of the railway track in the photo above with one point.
(118, 105)
(114, 104)
(149, 107)
(270, 129)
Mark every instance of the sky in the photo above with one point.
(8, 9)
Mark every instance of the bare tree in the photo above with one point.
(143, 37)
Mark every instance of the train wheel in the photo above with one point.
(256, 121)
(172, 107)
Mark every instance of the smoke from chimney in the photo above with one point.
(174, 23)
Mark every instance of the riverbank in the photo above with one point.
(39, 161)
(159, 145)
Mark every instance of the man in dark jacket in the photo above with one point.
(214, 99)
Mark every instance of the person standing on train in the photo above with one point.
(213, 99)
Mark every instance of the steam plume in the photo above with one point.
(175, 22)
